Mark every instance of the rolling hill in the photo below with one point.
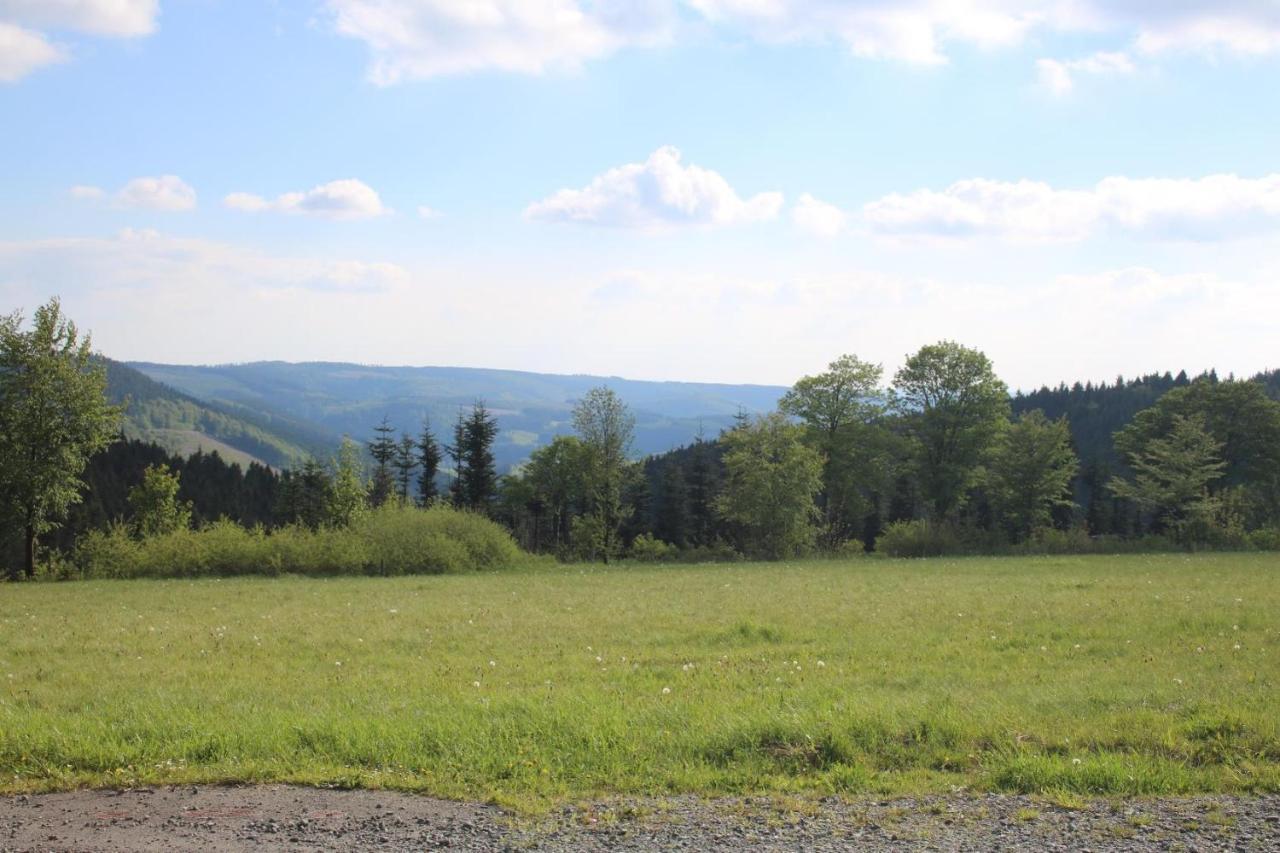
(182, 424)
(332, 399)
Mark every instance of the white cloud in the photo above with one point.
(1022, 210)
(24, 48)
(99, 17)
(411, 39)
(425, 212)
(87, 193)
(656, 194)
(1208, 208)
(818, 217)
(424, 38)
(23, 51)
(153, 265)
(907, 30)
(1058, 76)
(343, 199)
(163, 192)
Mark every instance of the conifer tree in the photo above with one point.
(478, 477)
(383, 451)
(405, 463)
(429, 464)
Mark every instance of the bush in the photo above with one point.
(717, 552)
(920, 538)
(390, 541)
(646, 549)
(1265, 539)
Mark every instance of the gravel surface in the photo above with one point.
(280, 817)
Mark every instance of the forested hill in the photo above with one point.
(531, 408)
(1095, 412)
(183, 425)
(280, 411)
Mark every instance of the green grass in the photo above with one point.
(1067, 676)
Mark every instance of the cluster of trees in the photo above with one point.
(844, 458)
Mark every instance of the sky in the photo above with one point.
(710, 190)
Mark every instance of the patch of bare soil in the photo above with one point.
(278, 817)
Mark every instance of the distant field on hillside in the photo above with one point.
(1074, 676)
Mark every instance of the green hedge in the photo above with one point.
(390, 541)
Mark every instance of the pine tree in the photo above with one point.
(405, 463)
(429, 456)
(479, 477)
(704, 487)
(383, 450)
(671, 521)
(458, 453)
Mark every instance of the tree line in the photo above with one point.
(938, 458)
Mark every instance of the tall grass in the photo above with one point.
(390, 541)
(1149, 674)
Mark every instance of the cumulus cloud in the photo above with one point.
(23, 51)
(656, 194)
(818, 217)
(24, 47)
(164, 192)
(161, 192)
(1209, 208)
(1058, 76)
(411, 39)
(99, 17)
(344, 199)
(425, 38)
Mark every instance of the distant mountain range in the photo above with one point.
(279, 412)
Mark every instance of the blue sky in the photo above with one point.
(725, 190)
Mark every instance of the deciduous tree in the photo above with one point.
(606, 427)
(772, 477)
(54, 415)
(954, 407)
(1030, 473)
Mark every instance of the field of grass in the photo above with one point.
(1071, 675)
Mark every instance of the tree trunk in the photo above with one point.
(30, 559)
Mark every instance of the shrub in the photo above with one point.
(717, 552)
(920, 538)
(646, 549)
(391, 541)
(1265, 539)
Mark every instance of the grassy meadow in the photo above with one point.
(1066, 675)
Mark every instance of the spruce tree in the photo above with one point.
(429, 456)
(405, 463)
(479, 476)
(383, 450)
(458, 453)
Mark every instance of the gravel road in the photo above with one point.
(278, 817)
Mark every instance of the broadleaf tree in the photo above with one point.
(772, 478)
(606, 428)
(954, 407)
(54, 416)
